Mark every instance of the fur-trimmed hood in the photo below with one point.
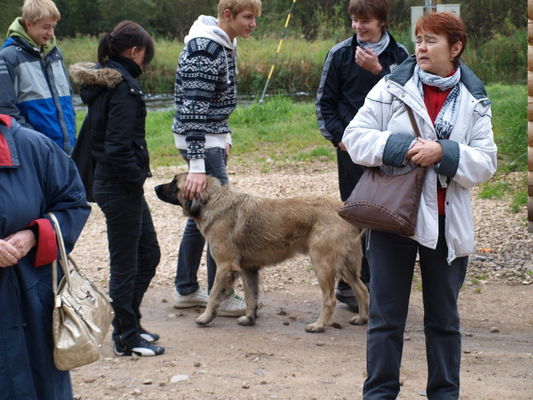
(86, 73)
(94, 78)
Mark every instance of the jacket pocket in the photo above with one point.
(141, 152)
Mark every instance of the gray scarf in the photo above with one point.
(448, 114)
(378, 47)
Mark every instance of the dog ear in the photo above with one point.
(195, 206)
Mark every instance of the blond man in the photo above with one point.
(205, 96)
(34, 85)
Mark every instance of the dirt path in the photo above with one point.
(277, 359)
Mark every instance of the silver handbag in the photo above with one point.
(82, 312)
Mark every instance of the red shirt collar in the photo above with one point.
(6, 120)
(6, 159)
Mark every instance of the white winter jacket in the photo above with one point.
(381, 130)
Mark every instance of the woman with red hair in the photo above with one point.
(453, 114)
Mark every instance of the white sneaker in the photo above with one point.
(233, 306)
(196, 299)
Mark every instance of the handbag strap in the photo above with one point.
(63, 259)
(413, 121)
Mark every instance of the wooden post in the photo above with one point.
(530, 116)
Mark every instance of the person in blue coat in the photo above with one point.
(34, 84)
(36, 177)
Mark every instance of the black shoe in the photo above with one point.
(142, 349)
(148, 336)
(348, 299)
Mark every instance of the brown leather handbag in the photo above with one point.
(387, 202)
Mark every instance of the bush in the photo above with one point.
(501, 59)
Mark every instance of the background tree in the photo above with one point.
(10, 10)
(311, 19)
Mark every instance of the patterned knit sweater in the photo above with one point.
(205, 89)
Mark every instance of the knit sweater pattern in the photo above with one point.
(205, 93)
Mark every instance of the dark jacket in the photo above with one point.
(36, 177)
(344, 85)
(115, 121)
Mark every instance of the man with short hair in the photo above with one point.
(205, 96)
(34, 84)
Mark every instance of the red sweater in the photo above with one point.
(434, 99)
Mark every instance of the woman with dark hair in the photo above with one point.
(351, 69)
(115, 128)
(453, 114)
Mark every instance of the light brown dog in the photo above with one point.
(246, 233)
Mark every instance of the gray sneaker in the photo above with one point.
(233, 306)
(196, 299)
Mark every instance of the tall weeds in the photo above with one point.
(299, 64)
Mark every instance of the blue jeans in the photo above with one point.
(133, 251)
(392, 259)
(192, 242)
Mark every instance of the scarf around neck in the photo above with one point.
(448, 114)
(378, 47)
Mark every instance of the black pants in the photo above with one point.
(392, 259)
(349, 175)
(133, 250)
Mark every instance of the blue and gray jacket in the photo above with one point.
(36, 91)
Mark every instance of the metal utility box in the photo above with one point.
(418, 11)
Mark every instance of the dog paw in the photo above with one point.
(358, 320)
(204, 319)
(315, 328)
(246, 321)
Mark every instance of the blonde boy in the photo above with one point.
(34, 85)
(205, 96)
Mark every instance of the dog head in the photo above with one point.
(173, 193)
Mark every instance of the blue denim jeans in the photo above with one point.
(133, 251)
(392, 259)
(192, 242)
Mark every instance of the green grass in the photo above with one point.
(277, 131)
(520, 198)
(501, 188)
(299, 63)
(283, 131)
(494, 190)
(509, 119)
